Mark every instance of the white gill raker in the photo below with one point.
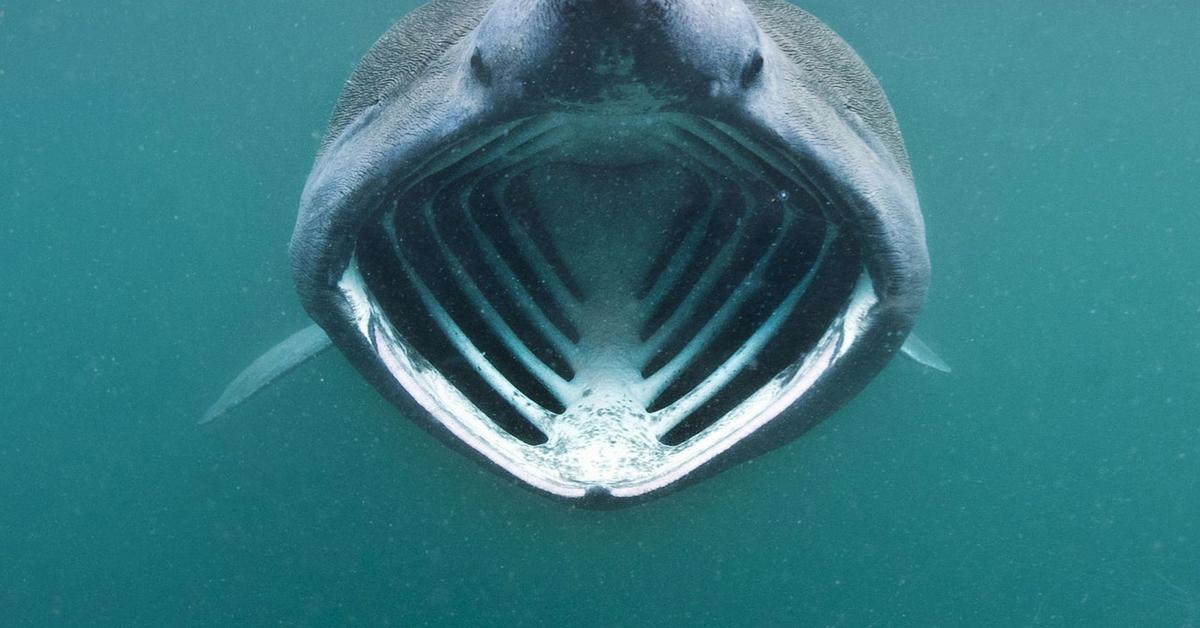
(521, 159)
(536, 140)
(771, 159)
(687, 251)
(673, 414)
(659, 381)
(521, 163)
(532, 253)
(736, 162)
(532, 151)
(533, 225)
(530, 410)
(502, 139)
(520, 156)
(520, 293)
(712, 272)
(681, 256)
(696, 148)
(559, 387)
(520, 139)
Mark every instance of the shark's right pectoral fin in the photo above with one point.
(299, 348)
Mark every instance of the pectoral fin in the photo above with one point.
(299, 348)
(919, 352)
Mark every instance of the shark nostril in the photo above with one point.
(482, 72)
(752, 71)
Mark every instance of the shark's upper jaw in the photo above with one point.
(601, 305)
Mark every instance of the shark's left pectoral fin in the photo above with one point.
(299, 348)
(919, 352)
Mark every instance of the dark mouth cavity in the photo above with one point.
(672, 265)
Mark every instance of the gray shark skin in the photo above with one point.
(611, 247)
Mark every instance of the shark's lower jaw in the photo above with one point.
(602, 305)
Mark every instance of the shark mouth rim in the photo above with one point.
(549, 411)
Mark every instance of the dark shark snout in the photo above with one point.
(641, 51)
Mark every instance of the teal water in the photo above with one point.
(151, 158)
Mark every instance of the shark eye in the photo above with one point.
(482, 73)
(752, 71)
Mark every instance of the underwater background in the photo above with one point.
(151, 159)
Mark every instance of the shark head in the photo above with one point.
(609, 247)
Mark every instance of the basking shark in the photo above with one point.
(609, 247)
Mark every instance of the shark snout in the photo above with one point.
(588, 50)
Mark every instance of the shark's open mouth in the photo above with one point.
(605, 303)
(655, 239)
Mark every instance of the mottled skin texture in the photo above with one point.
(824, 61)
(454, 68)
(402, 56)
